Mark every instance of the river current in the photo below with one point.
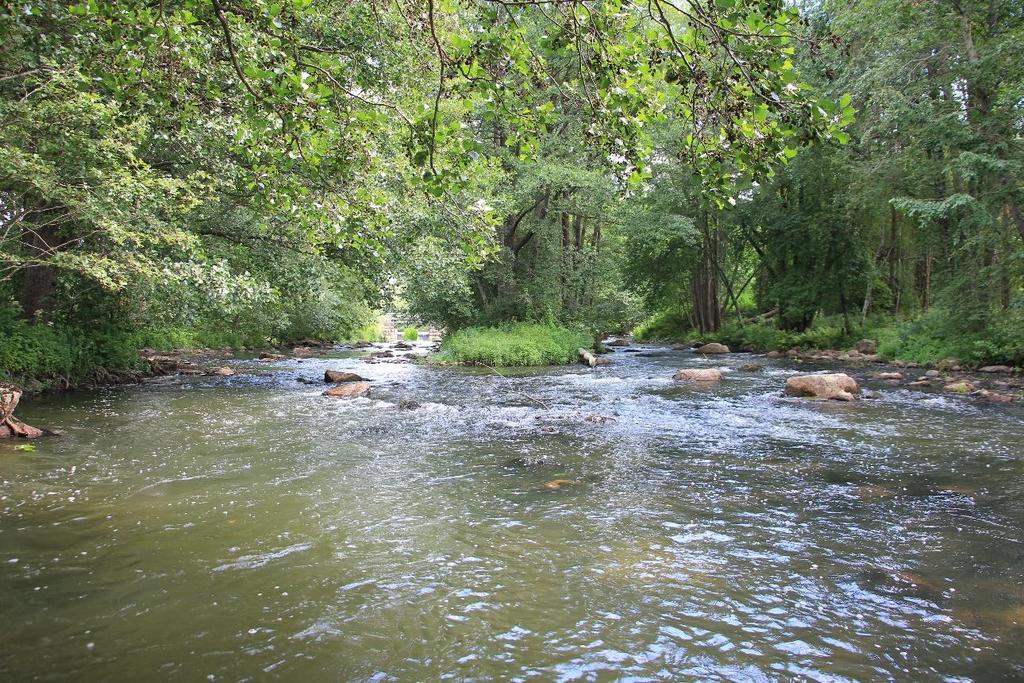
(554, 524)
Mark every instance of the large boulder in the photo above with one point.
(866, 346)
(837, 386)
(338, 376)
(349, 390)
(698, 375)
(9, 397)
(713, 347)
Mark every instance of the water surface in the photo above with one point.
(247, 528)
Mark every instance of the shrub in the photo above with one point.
(668, 325)
(373, 332)
(410, 334)
(517, 344)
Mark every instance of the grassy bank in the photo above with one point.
(44, 356)
(923, 340)
(518, 344)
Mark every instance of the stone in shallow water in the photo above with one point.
(713, 347)
(889, 375)
(338, 376)
(837, 386)
(959, 388)
(556, 484)
(698, 375)
(349, 390)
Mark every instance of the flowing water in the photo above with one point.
(248, 528)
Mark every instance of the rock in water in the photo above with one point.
(868, 346)
(556, 484)
(223, 371)
(838, 386)
(995, 397)
(698, 375)
(959, 388)
(751, 367)
(349, 390)
(9, 397)
(408, 404)
(995, 369)
(713, 347)
(889, 375)
(337, 376)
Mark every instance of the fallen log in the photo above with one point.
(9, 397)
(590, 359)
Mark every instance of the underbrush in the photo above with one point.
(372, 332)
(663, 326)
(410, 334)
(928, 338)
(517, 344)
(826, 334)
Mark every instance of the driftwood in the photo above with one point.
(9, 397)
(590, 359)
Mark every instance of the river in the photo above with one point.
(248, 528)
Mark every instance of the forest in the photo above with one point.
(243, 174)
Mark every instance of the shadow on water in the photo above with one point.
(555, 523)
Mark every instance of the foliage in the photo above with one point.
(930, 339)
(665, 325)
(410, 334)
(371, 332)
(517, 344)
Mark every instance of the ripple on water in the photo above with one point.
(713, 533)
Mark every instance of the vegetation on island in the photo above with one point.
(516, 344)
(250, 172)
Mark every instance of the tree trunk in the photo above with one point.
(38, 281)
(707, 312)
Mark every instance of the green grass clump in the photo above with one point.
(374, 332)
(667, 325)
(410, 334)
(517, 344)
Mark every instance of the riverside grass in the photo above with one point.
(516, 344)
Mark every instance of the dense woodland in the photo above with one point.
(249, 172)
